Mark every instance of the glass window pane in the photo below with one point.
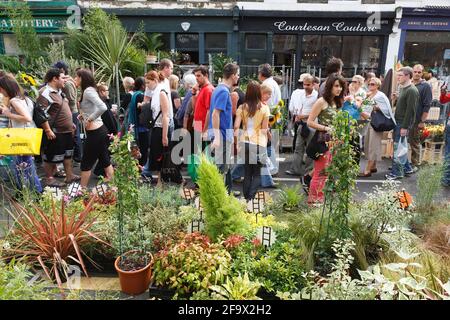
(351, 50)
(370, 52)
(255, 41)
(331, 47)
(284, 43)
(187, 41)
(216, 41)
(311, 51)
(428, 48)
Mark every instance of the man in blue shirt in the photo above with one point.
(221, 121)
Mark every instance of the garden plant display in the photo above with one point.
(376, 248)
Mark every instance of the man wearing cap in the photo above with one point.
(300, 106)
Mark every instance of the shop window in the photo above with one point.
(428, 49)
(331, 47)
(311, 52)
(186, 41)
(351, 49)
(255, 42)
(284, 47)
(215, 43)
(370, 52)
(187, 45)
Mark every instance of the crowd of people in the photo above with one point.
(233, 126)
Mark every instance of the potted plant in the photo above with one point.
(134, 263)
(152, 43)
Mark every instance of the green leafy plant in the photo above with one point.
(10, 64)
(279, 268)
(428, 185)
(219, 61)
(16, 283)
(223, 213)
(27, 39)
(191, 263)
(152, 42)
(128, 221)
(236, 288)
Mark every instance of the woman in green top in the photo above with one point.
(324, 110)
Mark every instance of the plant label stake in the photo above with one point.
(267, 236)
(196, 226)
(187, 194)
(101, 189)
(74, 188)
(199, 206)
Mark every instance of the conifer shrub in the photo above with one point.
(223, 213)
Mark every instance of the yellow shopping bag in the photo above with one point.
(20, 141)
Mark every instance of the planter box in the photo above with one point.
(433, 152)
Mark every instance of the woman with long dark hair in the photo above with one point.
(254, 117)
(18, 109)
(324, 110)
(97, 139)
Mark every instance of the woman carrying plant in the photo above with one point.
(254, 117)
(159, 141)
(97, 139)
(320, 119)
(372, 140)
(18, 109)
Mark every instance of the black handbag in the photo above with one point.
(380, 123)
(170, 172)
(304, 131)
(318, 145)
(110, 122)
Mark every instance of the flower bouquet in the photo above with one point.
(436, 132)
(276, 119)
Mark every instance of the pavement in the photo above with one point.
(363, 185)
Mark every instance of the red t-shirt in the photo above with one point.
(202, 106)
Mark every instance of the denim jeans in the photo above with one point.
(77, 146)
(446, 177)
(266, 177)
(399, 165)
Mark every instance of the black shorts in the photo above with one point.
(56, 150)
(96, 147)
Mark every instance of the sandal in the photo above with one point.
(364, 175)
(75, 178)
(53, 183)
(59, 174)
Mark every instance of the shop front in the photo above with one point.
(49, 18)
(193, 34)
(305, 44)
(425, 39)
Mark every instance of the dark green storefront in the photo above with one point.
(48, 19)
(197, 32)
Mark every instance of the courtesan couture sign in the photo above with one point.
(338, 26)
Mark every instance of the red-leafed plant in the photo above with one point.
(52, 240)
(233, 241)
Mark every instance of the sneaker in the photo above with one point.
(236, 193)
(291, 173)
(391, 176)
(413, 170)
(274, 185)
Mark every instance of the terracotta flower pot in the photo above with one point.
(134, 282)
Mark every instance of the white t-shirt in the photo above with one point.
(300, 103)
(276, 92)
(156, 104)
(28, 106)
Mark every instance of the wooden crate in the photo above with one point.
(433, 152)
